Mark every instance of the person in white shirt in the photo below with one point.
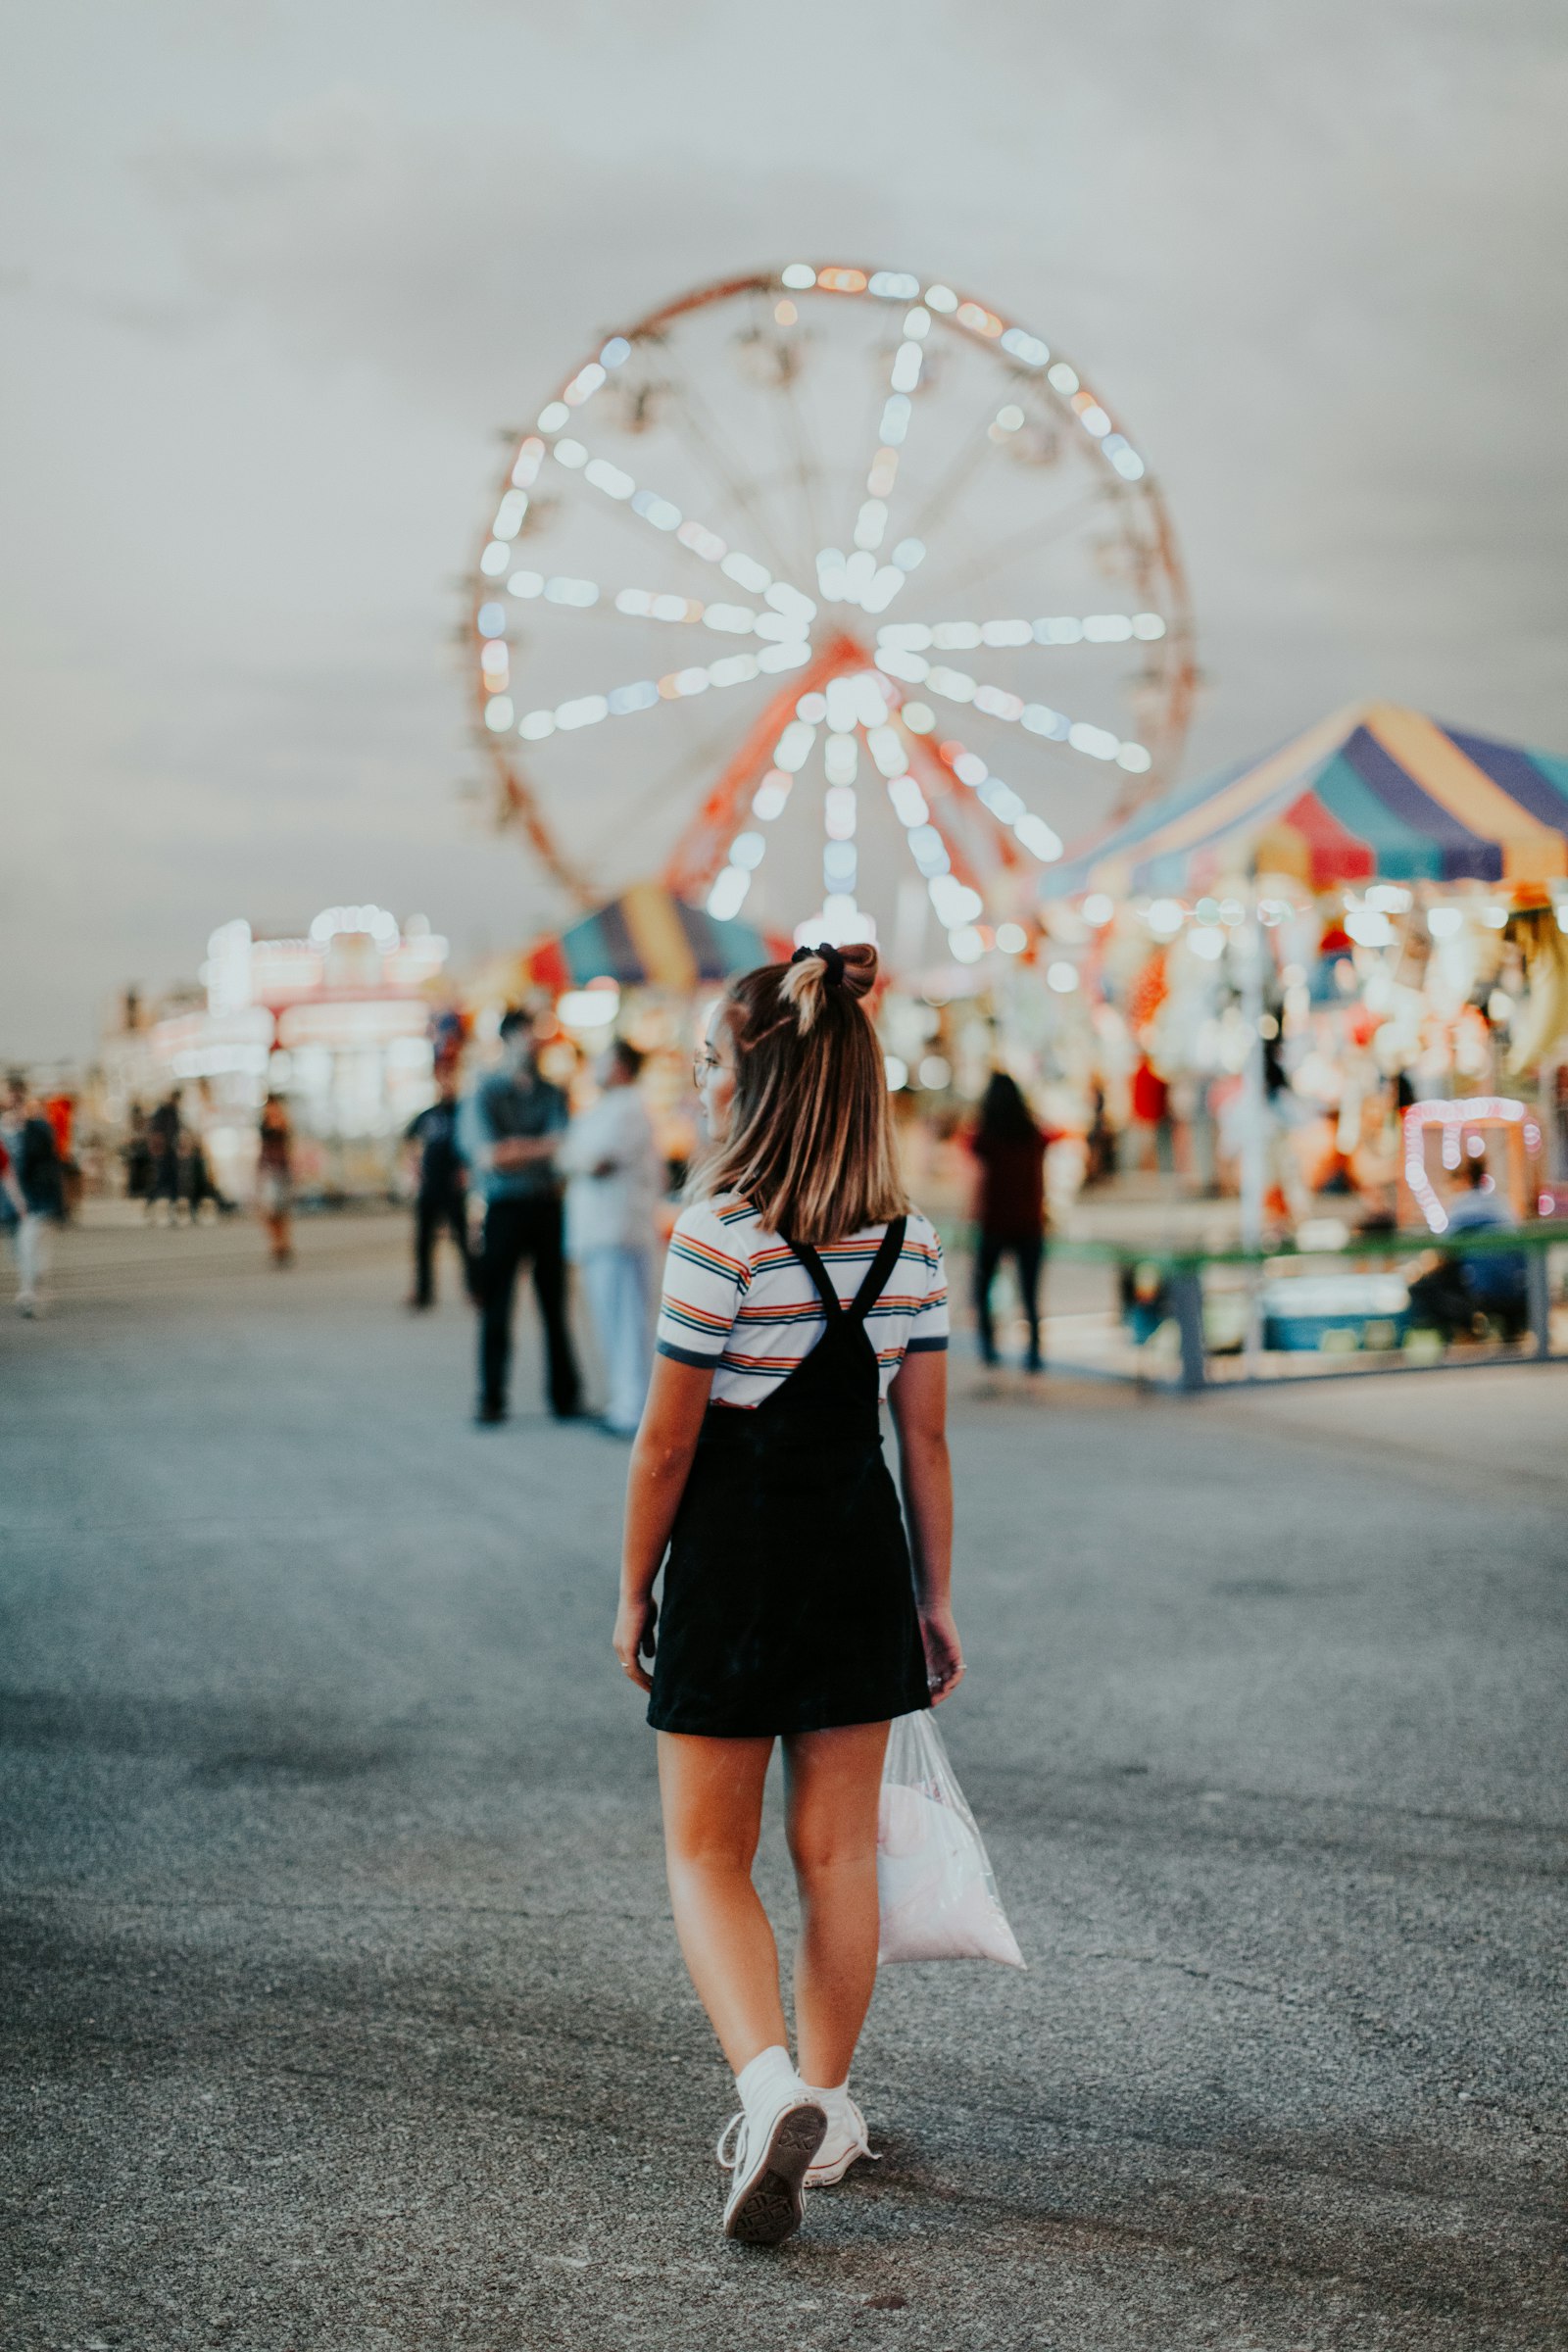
(615, 1181)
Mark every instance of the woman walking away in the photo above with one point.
(801, 1289)
(1010, 1211)
(274, 1178)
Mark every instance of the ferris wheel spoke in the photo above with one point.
(960, 686)
(629, 700)
(1030, 541)
(705, 437)
(963, 636)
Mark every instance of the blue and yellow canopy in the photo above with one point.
(1373, 792)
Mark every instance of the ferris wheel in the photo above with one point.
(819, 577)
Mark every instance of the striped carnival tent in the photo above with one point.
(1375, 792)
(644, 939)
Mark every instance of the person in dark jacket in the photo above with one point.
(1011, 1208)
(507, 1131)
(34, 1196)
(441, 1200)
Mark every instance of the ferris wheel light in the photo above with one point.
(526, 584)
(530, 457)
(941, 298)
(895, 423)
(1005, 633)
(534, 725)
(978, 320)
(491, 620)
(609, 478)
(771, 796)
(656, 509)
(841, 758)
(1134, 758)
(1128, 464)
(909, 802)
(884, 472)
(615, 351)
(1063, 976)
(728, 894)
(858, 573)
(1041, 720)
(966, 945)
(905, 368)
(1028, 348)
(701, 540)
(581, 593)
(1012, 938)
(746, 572)
(871, 523)
(1035, 833)
(1148, 625)
(624, 700)
(1010, 417)
(494, 659)
(737, 621)
(1062, 378)
(887, 750)
(1094, 420)
(692, 681)
(953, 685)
(885, 586)
(955, 636)
(812, 709)
(928, 850)
(1065, 631)
(970, 768)
(585, 711)
(785, 657)
(553, 415)
(497, 556)
(919, 323)
(584, 384)
(1002, 800)
(909, 555)
(840, 866)
(997, 703)
(498, 713)
(736, 669)
(567, 452)
(841, 281)
(1107, 628)
(1098, 742)
(798, 277)
(794, 746)
(894, 286)
(910, 667)
(747, 849)
(509, 514)
(918, 718)
(830, 568)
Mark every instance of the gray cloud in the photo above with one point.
(280, 294)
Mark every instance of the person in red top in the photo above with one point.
(1009, 1208)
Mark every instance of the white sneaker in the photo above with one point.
(844, 2143)
(768, 2154)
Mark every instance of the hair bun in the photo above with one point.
(812, 972)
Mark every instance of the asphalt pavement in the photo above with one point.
(341, 2010)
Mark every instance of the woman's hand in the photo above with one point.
(634, 1632)
(943, 1653)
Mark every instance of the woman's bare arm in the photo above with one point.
(660, 1460)
(919, 1402)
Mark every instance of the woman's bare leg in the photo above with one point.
(711, 1791)
(834, 1781)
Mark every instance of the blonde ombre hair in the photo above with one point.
(810, 1139)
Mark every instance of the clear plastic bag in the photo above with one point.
(935, 1888)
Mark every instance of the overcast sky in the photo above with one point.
(273, 274)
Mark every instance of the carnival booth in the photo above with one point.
(1374, 919)
(641, 965)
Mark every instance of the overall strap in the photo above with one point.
(879, 1272)
(818, 1272)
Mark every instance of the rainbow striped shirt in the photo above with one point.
(739, 1298)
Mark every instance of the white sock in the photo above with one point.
(768, 2078)
(834, 2100)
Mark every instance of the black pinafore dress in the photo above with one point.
(788, 1601)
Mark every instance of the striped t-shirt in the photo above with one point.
(738, 1297)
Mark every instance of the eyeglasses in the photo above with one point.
(704, 1062)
